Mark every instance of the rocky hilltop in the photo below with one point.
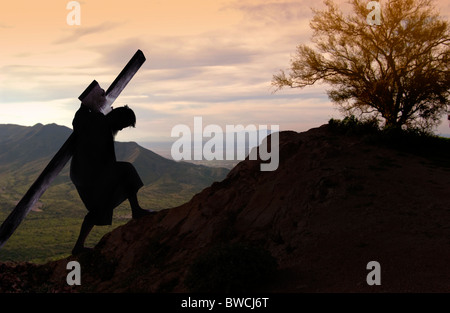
(336, 202)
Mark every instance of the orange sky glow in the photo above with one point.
(209, 58)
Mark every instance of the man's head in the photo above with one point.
(93, 97)
(120, 118)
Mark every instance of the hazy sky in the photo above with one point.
(208, 58)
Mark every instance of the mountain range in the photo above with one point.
(29, 147)
(344, 212)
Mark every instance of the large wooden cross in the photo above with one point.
(64, 154)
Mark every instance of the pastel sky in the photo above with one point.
(208, 58)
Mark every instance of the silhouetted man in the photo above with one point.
(101, 181)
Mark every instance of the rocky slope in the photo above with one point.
(335, 203)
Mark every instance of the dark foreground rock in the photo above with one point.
(335, 203)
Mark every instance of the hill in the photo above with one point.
(336, 202)
(24, 153)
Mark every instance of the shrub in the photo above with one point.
(411, 140)
(351, 125)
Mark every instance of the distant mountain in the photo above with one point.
(20, 145)
(25, 151)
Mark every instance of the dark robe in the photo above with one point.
(101, 181)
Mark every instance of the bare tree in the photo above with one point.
(398, 70)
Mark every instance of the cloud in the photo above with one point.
(197, 69)
(193, 74)
(274, 12)
(77, 33)
(178, 52)
(5, 26)
(27, 83)
(203, 55)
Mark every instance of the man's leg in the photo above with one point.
(129, 178)
(86, 228)
(136, 209)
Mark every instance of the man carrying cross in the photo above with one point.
(106, 184)
(101, 181)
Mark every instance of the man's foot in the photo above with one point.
(80, 250)
(138, 213)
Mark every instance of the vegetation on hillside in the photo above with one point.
(415, 141)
